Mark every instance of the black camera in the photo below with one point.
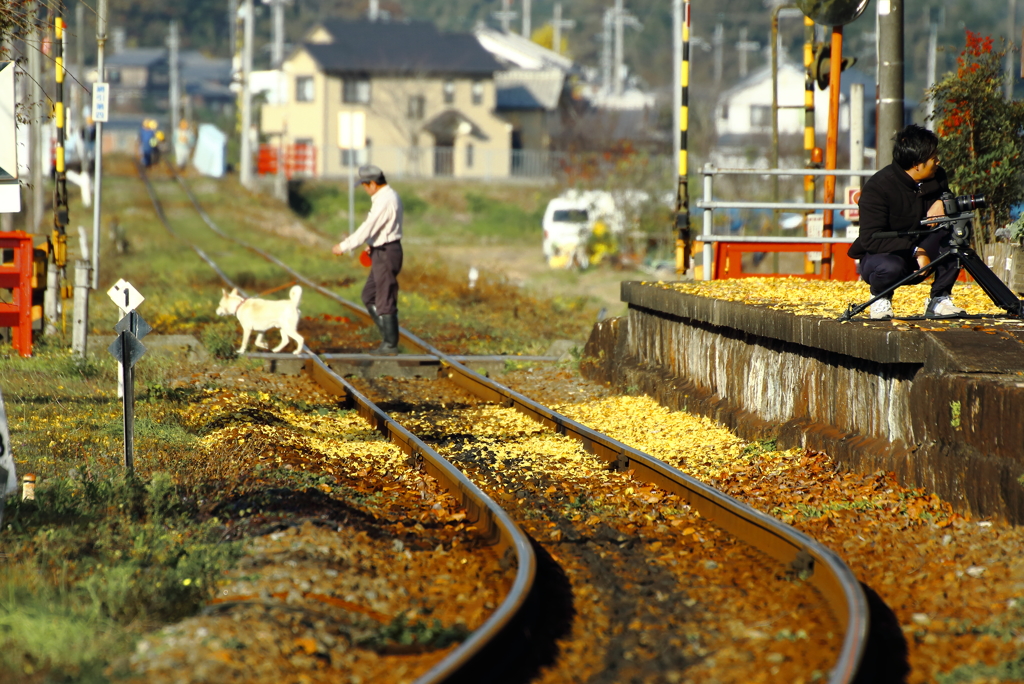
(956, 205)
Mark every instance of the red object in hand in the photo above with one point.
(364, 258)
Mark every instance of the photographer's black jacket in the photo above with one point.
(892, 200)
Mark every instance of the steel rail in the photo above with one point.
(803, 554)
(494, 524)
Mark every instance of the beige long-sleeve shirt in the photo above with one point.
(382, 225)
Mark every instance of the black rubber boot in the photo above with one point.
(372, 308)
(389, 327)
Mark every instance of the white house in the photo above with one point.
(743, 115)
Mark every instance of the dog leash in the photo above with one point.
(275, 289)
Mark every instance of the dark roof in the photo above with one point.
(400, 47)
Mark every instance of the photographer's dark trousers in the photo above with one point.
(882, 271)
(381, 287)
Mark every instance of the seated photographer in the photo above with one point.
(897, 198)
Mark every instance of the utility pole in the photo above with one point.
(101, 41)
(76, 88)
(277, 54)
(174, 87)
(558, 24)
(35, 96)
(606, 50)
(245, 163)
(505, 16)
(718, 41)
(856, 131)
(745, 47)
(618, 75)
(933, 48)
(527, 28)
(890, 77)
(233, 25)
(1010, 45)
(373, 13)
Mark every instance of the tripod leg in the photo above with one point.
(922, 272)
(996, 289)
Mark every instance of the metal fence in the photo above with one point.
(708, 204)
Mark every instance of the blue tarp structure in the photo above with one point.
(211, 151)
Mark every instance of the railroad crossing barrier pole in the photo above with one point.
(681, 14)
(80, 327)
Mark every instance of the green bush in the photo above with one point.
(220, 339)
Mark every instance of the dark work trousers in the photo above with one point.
(381, 287)
(882, 271)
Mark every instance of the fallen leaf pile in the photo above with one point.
(367, 561)
(956, 585)
(652, 592)
(827, 298)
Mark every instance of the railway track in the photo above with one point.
(453, 430)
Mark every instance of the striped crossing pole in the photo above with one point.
(58, 239)
(682, 197)
(809, 107)
(809, 156)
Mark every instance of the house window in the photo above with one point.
(356, 91)
(760, 116)
(417, 105)
(449, 92)
(469, 155)
(303, 88)
(478, 92)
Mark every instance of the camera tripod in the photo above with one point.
(960, 251)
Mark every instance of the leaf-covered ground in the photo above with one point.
(828, 298)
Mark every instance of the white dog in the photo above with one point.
(263, 314)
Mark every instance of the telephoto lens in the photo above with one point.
(971, 202)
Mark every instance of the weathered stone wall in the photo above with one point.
(918, 414)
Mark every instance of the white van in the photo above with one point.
(566, 224)
(570, 218)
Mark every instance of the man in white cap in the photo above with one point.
(382, 233)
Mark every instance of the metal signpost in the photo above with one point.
(127, 349)
(352, 137)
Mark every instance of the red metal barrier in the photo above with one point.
(299, 160)
(16, 276)
(728, 257)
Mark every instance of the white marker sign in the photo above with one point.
(351, 130)
(126, 297)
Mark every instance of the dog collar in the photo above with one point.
(235, 312)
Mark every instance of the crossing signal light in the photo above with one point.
(822, 66)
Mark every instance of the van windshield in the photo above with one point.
(570, 216)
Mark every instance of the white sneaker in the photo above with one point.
(881, 310)
(942, 307)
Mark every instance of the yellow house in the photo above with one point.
(428, 100)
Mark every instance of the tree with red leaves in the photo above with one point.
(981, 134)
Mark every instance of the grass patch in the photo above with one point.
(93, 561)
